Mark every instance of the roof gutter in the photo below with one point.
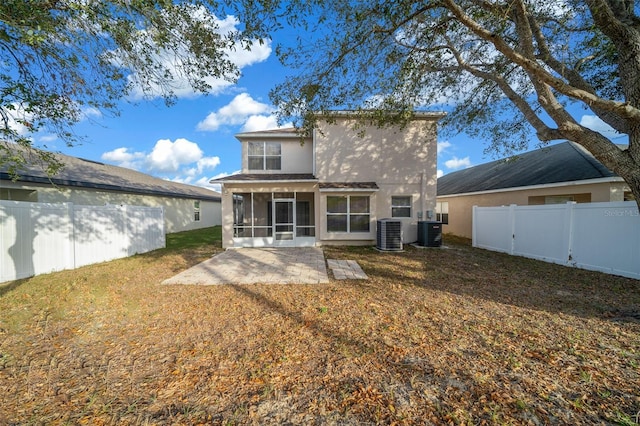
(267, 181)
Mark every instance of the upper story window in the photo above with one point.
(401, 206)
(265, 156)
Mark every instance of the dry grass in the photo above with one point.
(449, 336)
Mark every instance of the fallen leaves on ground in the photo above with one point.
(437, 336)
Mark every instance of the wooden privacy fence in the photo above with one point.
(597, 236)
(37, 238)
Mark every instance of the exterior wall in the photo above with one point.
(296, 157)
(400, 161)
(227, 201)
(178, 212)
(461, 206)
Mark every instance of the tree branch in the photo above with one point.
(573, 76)
(623, 109)
(544, 132)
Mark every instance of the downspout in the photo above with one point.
(313, 151)
(422, 214)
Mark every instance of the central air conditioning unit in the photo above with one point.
(429, 234)
(389, 235)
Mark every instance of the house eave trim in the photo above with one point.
(263, 136)
(267, 181)
(349, 189)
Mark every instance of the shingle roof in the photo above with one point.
(83, 173)
(348, 185)
(262, 177)
(563, 162)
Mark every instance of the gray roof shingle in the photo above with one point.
(83, 173)
(563, 162)
(348, 185)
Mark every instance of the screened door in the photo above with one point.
(284, 221)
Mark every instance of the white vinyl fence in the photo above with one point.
(37, 238)
(597, 236)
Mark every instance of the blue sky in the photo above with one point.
(193, 141)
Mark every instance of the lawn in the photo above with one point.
(435, 336)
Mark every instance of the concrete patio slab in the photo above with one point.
(251, 265)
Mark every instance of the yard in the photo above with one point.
(435, 336)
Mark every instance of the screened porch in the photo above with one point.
(273, 219)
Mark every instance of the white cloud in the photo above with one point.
(215, 186)
(123, 158)
(16, 117)
(168, 157)
(182, 159)
(458, 163)
(90, 112)
(180, 84)
(439, 173)
(594, 123)
(204, 182)
(243, 109)
(206, 163)
(49, 137)
(235, 112)
(260, 122)
(442, 146)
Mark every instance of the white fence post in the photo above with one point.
(512, 225)
(71, 241)
(474, 224)
(570, 225)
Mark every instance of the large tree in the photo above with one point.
(61, 58)
(501, 63)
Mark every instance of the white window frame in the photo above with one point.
(348, 214)
(264, 156)
(397, 206)
(442, 209)
(196, 211)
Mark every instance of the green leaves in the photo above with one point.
(58, 58)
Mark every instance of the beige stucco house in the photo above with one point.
(554, 174)
(86, 182)
(331, 187)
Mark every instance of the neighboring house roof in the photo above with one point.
(263, 177)
(563, 162)
(90, 174)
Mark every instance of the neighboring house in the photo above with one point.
(554, 174)
(87, 182)
(330, 188)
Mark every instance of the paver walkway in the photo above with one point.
(346, 270)
(251, 265)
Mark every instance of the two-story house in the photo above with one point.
(331, 187)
